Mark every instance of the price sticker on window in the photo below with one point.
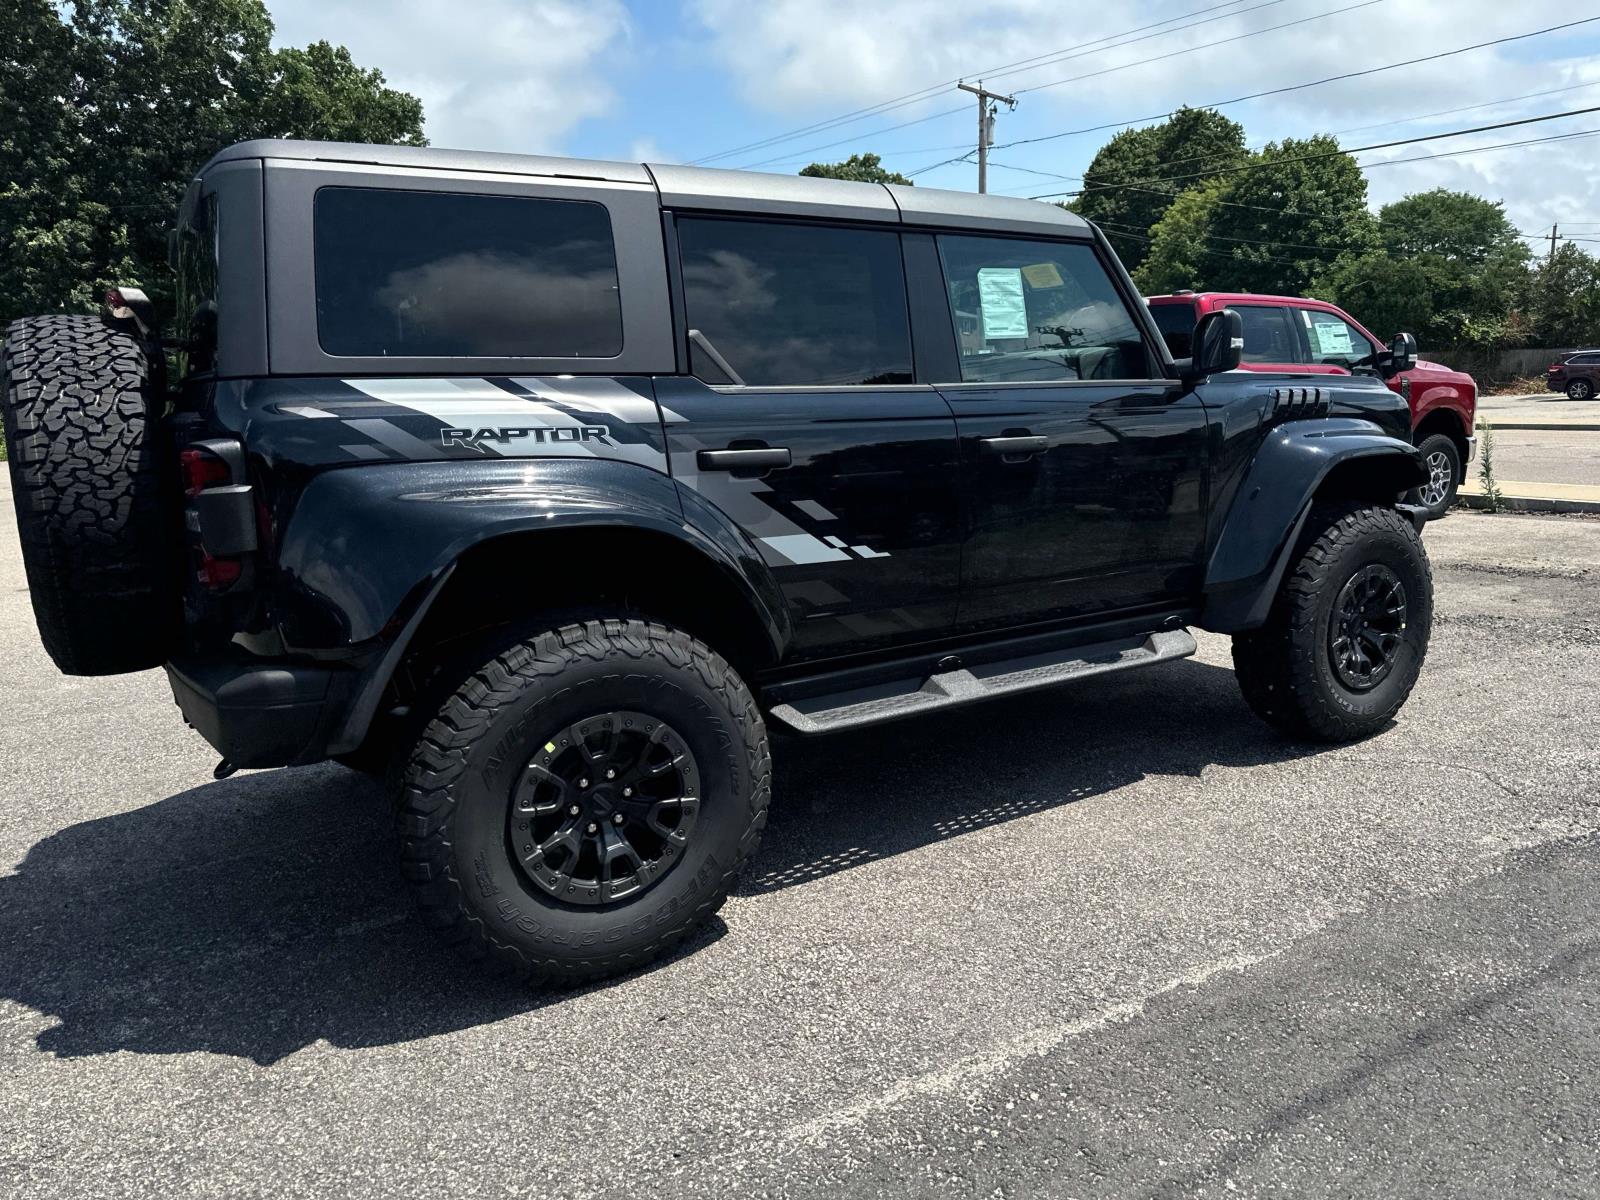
(1001, 300)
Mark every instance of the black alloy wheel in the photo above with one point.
(605, 808)
(1366, 625)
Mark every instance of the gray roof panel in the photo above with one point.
(430, 158)
(763, 192)
(968, 210)
(709, 187)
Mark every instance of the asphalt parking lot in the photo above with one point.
(1118, 940)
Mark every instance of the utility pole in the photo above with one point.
(1552, 241)
(988, 104)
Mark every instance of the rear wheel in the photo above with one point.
(1443, 462)
(1348, 631)
(584, 800)
(1580, 389)
(94, 493)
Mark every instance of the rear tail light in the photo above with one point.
(222, 510)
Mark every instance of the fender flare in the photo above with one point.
(1271, 504)
(367, 551)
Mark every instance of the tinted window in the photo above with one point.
(793, 305)
(1334, 340)
(1269, 336)
(435, 274)
(1027, 310)
(1176, 322)
(196, 299)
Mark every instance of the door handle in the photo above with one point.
(1016, 448)
(763, 458)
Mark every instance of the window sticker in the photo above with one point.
(1331, 337)
(1004, 308)
(1043, 275)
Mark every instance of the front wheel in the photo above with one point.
(1580, 389)
(1443, 462)
(1348, 631)
(584, 800)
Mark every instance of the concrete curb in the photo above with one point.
(1579, 426)
(1527, 500)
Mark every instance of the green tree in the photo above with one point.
(1179, 254)
(1386, 294)
(858, 168)
(1281, 223)
(1472, 262)
(1136, 176)
(108, 107)
(1564, 299)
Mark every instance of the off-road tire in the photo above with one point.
(94, 493)
(1580, 389)
(1437, 450)
(455, 794)
(1285, 668)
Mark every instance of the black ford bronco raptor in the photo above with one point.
(543, 486)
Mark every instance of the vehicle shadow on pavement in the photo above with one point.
(258, 915)
(854, 798)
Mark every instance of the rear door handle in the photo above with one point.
(764, 458)
(1016, 448)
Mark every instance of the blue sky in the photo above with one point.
(676, 80)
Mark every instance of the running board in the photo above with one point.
(908, 697)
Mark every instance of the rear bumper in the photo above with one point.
(1553, 384)
(258, 714)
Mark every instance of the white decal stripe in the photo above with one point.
(803, 548)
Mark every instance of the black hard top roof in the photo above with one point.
(705, 187)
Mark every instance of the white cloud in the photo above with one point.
(492, 74)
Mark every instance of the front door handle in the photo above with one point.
(757, 459)
(1017, 448)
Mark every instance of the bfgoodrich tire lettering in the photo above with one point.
(465, 771)
(1287, 668)
(94, 497)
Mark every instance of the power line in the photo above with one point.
(1076, 78)
(1279, 91)
(910, 98)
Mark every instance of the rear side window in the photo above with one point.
(1176, 322)
(794, 305)
(435, 274)
(1033, 311)
(1269, 335)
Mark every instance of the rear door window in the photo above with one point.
(1269, 335)
(440, 274)
(1176, 322)
(776, 304)
(1036, 311)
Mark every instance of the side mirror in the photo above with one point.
(1402, 355)
(1218, 345)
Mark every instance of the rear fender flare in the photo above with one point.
(368, 549)
(1296, 463)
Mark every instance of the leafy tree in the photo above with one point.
(1130, 183)
(1564, 298)
(1179, 254)
(108, 107)
(1388, 295)
(858, 168)
(1472, 261)
(1281, 223)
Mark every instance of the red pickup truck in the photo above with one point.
(1291, 333)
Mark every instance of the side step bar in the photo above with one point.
(904, 698)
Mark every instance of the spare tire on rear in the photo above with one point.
(95, 493)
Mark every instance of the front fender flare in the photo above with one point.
(1269, 510)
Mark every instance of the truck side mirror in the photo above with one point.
(1402, 355)
(1218, 345)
